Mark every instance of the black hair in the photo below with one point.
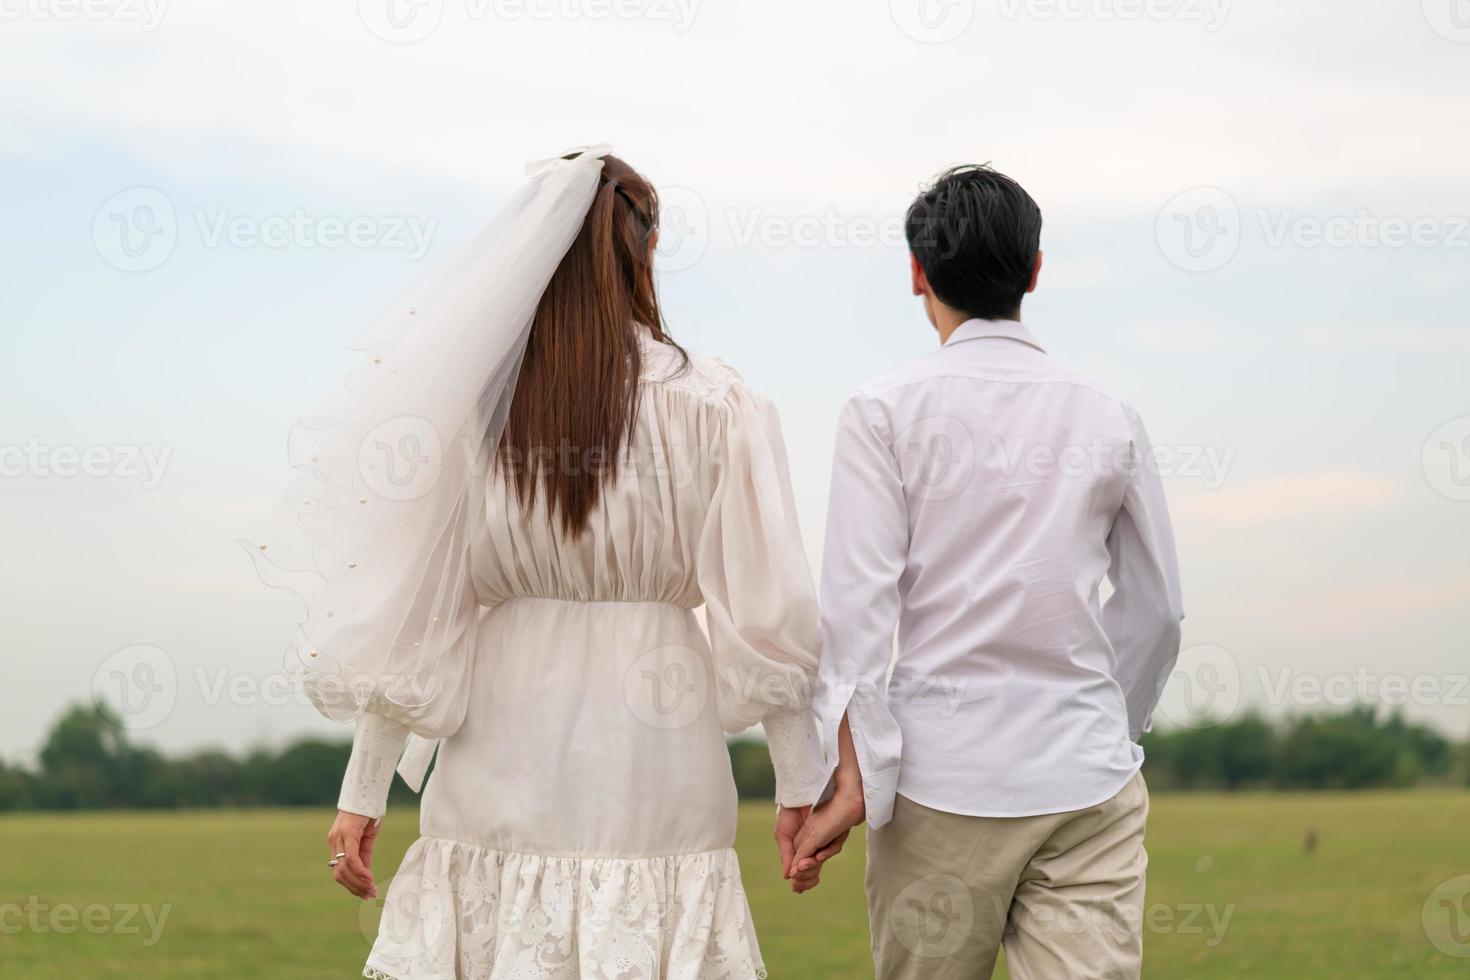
(975, 232)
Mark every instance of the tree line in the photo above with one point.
(87, 762)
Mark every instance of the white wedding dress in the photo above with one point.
(580, 820)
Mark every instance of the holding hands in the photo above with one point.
(809, 836)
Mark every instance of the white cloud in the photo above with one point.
(1354, 609)
(1264, 501)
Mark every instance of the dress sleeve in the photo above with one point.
(760, 604)
(422, 680)
(376, 748)
(433, 704)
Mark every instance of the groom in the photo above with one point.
(979, 497)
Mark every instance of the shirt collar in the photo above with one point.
(1004, 329)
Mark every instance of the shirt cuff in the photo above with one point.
(796, 755)
(376, 748)
(878, 743)
(879, 791)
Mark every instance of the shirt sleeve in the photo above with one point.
(760, 604)
(1142, 616)
(865, 554)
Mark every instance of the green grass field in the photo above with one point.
(247, 895)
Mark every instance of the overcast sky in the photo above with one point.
(1257, 230)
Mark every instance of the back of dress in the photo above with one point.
(591, 673)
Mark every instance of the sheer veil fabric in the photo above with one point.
(372, 534)
(580, 820)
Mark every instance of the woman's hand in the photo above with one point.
(353, 836)
(788, 822)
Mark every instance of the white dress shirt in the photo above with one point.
(979, 498)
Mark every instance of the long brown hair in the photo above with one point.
(576, 399)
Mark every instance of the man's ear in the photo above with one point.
(1035, 272)
(916, 273)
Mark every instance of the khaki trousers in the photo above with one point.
(1063, 892)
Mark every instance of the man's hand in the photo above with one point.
(353, 836)
(789, 820)
(822, 835)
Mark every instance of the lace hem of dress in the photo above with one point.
(371, 974)
(458, 910)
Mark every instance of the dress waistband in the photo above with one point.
(598, 602)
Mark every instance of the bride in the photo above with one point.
(529, 605)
